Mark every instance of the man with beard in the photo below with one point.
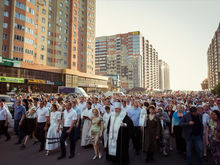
(120, 128)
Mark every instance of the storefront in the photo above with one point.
(37, 86)
(8, 84)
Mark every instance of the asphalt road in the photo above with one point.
(11, 154)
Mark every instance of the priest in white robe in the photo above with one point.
(120, 129)
(106, 117)
(86, 118)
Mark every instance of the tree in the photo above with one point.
(216, 90)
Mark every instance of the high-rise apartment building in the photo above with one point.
(122, 55)
(213, 58)
(57, 33)
(150, 66)
(164, 75)
(86, 36)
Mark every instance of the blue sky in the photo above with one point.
(180, 30)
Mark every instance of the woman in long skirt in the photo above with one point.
(54, 132)
(30, 123)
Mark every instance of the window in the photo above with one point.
(61, 5)
(74, 64)
(60, 12)
(49, 24)
(49, 33)
(75, 19)
(7, 2)
(65, 39)
(49, 16)
(66, 15)
(59, 52)
(44, 2)
(74, 26)
(5, 25)
(75, 12)
(20, 16)
(65, 62)
(4, 48)
(19, 38)
(28, 51)
(42, 57)
(5, 36)
(42, 47)
(50, 8)
(74, 56)
(29, 41)
(43, 20)
(60, 20)
(29, 20)
(43, 11)
(59, 44)
(42, 29)
(20, 5)
(60, 28)
(30, 10)
(65, 54)
(18, 49)
(74, 48)
(5, 13)
(42, 38)
(29, 30)
(60, 36)
(32, 1)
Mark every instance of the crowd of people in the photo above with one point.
(153, 123)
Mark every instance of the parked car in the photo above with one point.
(8, 102)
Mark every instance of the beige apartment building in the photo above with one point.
(54, 33)
(164, 75)
(213, 60)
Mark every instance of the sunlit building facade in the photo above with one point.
(122, 55)
(213, 60)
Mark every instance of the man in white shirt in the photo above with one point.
(82, 104)
(4, 121)
(42, 115)
(69, 120)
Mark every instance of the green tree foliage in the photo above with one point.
(216, 90)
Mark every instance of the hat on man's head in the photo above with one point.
(117, 105)
(193, 109)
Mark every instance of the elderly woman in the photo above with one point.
(165, 133)
(152, 128)
(177, 130)
(213, 136)
(96, 126)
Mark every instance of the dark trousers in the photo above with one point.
(195, 141)
(18, 130)
(180, 142)
(63, 138)
(4, 129)
(77, 132)
(40, 134)
(136, 138)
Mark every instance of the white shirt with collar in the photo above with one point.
(82, 106)
(69, 117)
(42, 113)
(3, 113)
